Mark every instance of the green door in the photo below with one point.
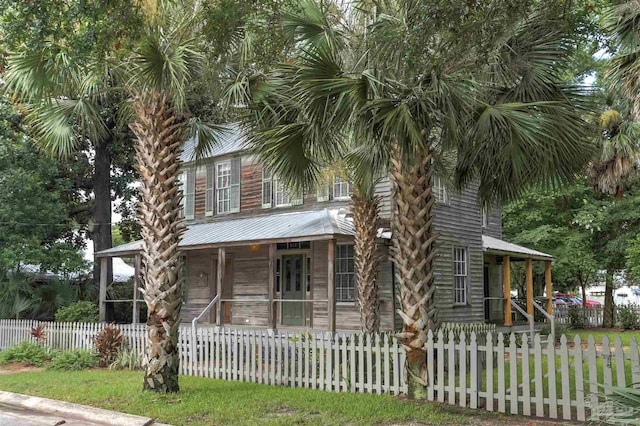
(292, 289)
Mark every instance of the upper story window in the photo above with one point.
(222, 191)
(188, 186)
(275, 193)
(460, 275)
(439, 190)
(345, 279)
(340, 189)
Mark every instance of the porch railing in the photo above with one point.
(529, 318)
(551, 318)
(204, 311)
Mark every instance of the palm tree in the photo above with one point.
(155, 77)
(409, 90)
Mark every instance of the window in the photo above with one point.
(440, 191)
(460, 276)
(341, 188)
(227, 186)
(275, 193)
(345, 273)
(223, 187)
(485, 218)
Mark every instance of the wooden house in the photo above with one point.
(259, 255)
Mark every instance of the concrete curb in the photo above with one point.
(82, 412)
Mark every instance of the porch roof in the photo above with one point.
(492, 245)
(283, 227)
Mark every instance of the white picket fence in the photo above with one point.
(502, 373)
(593, 316)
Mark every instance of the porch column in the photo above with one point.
(272, 285)
(136, 285)
(219, 281)
(506, 288)
(548, 285)
(331, 285)
(529, 281)
(104, 266)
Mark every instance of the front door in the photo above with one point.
(292, 289)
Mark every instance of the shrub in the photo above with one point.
(108, 343)
(126, 359)
(27, 352)
(577, 317)
(78, 312)
(628, 317)
(38, 333)
(74, 360)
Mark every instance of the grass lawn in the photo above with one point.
(612, 333)
(204, 401)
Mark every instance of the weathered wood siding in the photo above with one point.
(250, 185)
(460, 225)
(495, 224)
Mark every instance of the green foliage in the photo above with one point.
(73, 361)
(27, 352)
(82, 311)
(108, 342)
(577, 317)
(624, 408)
(126, 359)
(628, 318)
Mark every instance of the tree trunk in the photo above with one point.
(413, 251)
(158, 133)
(101, 232)
(608, 320)
(583, 287)
(367, 259)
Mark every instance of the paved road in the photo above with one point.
(13, 416)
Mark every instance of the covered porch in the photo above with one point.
(500, 306)
(273, 271)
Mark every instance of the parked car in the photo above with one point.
(569, 299)
(556, 301)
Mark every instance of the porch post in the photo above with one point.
(506, 285)
(548, 285)
(104, 266)
(331, 285)
(272, 285)
(529, 281)
(219, 280)
(136, 285)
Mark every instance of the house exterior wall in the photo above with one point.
(459, 222)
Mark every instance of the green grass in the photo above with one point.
(203, 401)
(625, 336)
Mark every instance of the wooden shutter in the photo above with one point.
(190, 194)
(323, 193)
(296, 199)
(267, 189)
(235, 185)
(209, 195)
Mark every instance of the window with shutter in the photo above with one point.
(190, 193)
(439, 190)
(223, 187)
(341, 189)
(209, 196)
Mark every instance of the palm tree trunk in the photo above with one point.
(413, 251)
(158, 132)
(367, 259)
(608, 319)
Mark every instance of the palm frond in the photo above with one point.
(208, 136)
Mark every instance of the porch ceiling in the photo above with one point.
(499, 247)
(310, 225)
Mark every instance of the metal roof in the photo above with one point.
(319, 224)
(497, 246)
(232, 140)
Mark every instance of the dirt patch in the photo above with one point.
(282, 411)
(19, 367)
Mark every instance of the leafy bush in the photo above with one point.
(27, 352)
(108, 343)
(126, 359)
(577, 317)
(628, 317)
(78, 312)
(74, 360)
